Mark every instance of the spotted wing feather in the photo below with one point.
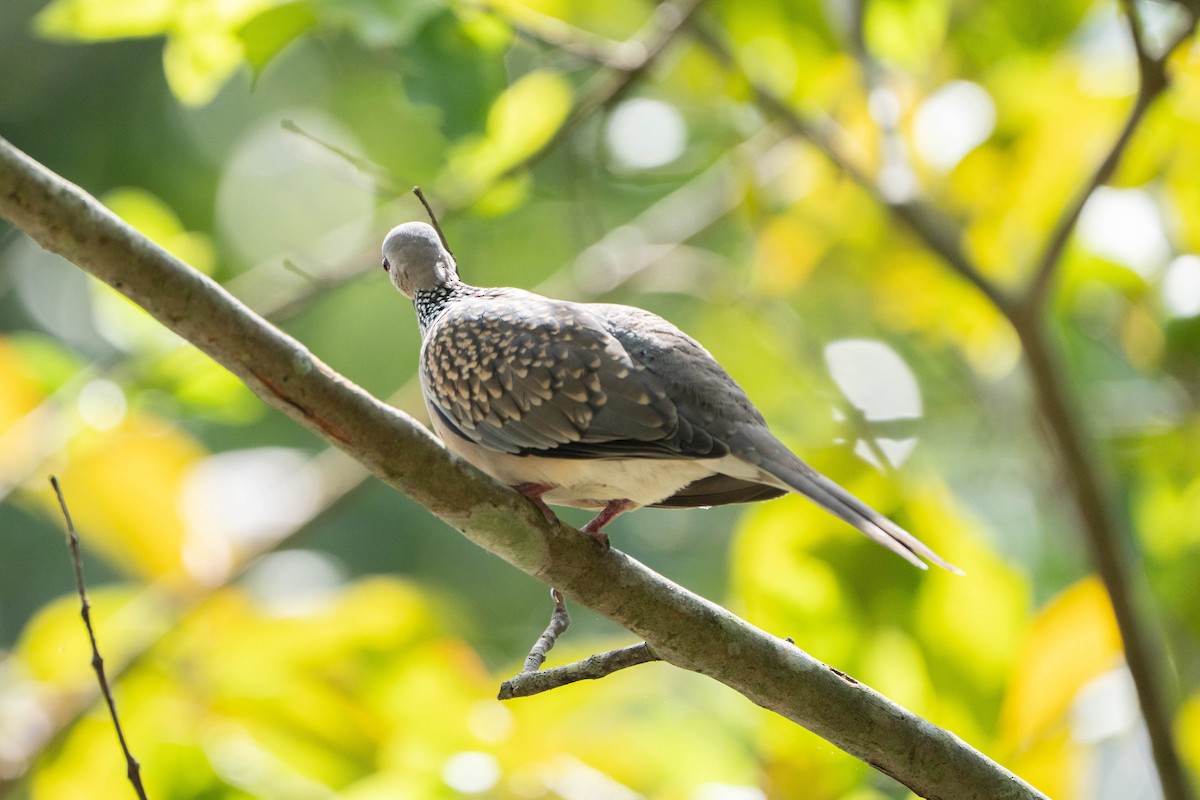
(531, 376)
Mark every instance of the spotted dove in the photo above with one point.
(597, 406)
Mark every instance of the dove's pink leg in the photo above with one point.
(614, 509)
(610, 512)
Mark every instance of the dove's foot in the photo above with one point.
(610, 512)
(534, 492)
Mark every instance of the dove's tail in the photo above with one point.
(799, 477)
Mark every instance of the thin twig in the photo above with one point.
(613, 82)
(582, 44)
(294, 268)
(589, 669)
(376, 172)
(560, 620)
(1152, 81)
(941, 233)
(864, 431)
(432, 218)
(133, 769)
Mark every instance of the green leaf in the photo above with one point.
(265, 36)
(460, 74)
(382, 23)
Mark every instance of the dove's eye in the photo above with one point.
(386, 266)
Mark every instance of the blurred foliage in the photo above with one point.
(282, 631)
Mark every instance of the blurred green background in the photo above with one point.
(284, 627)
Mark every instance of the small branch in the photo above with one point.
(668, 19)
(582, 44)
(937, 230)
(560, 620)
(864, 431)
(529, 683)
(133, 769)
(416, 190)
(608, 86)
(377, 173)
(1152, 81)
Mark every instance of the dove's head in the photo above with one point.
(416, 259)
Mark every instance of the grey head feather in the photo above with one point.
(416, 260)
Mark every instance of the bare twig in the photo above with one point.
(932, 226)
(416, 190)
(1152, 81)
(377, 173)
(582, 44)
(589, 669)
(609, 85)
(682, 628)
(133, 769)
(560, 620)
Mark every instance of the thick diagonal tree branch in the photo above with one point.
(680, 627)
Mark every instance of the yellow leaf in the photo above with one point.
(1189, 732)
(198, 64)
(202, 48)
(1073, 640)
(908, 31)
(104, 19)
(976, 621)
(789, 248)
(893, 664)
(1054, 765)
(20, 444)
(123, 486)
(528, 113)
(54, 647)
(783, 587)
(19, 393)
(914, 292)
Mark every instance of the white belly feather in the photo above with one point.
(586, 483)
